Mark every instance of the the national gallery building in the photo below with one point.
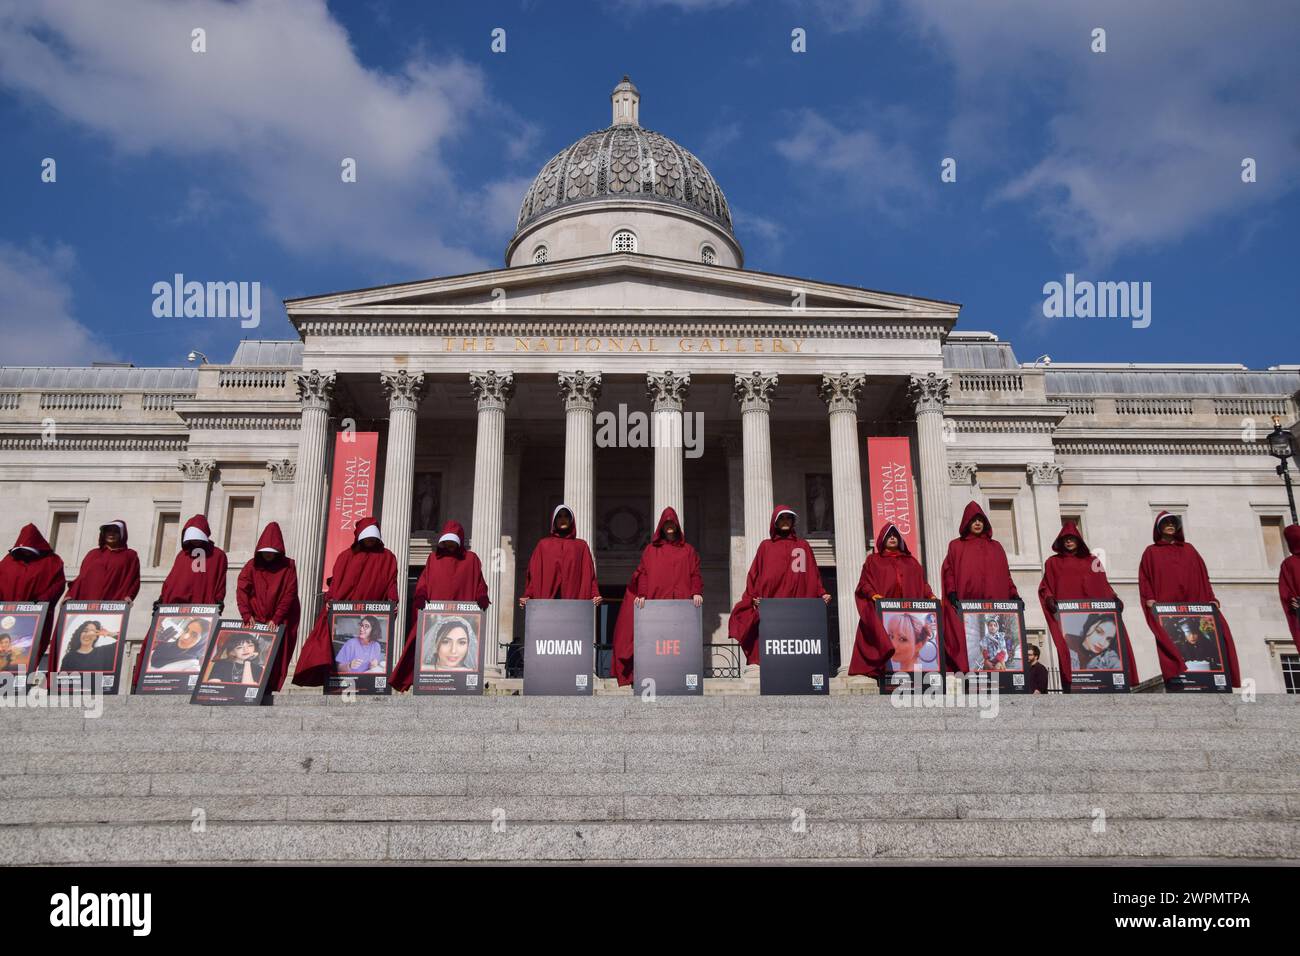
(624, 312)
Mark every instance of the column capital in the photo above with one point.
(282, 471)
(754, 391)
(492, 389)
(404, 390)
(579, 389)
(315, 390)
(197, 469)
(1044, 473)
(840, 392)
(961, 472)
(668, 390)
(928, 392)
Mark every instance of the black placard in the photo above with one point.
(669, 649)
(994, 632)
(1095, 641)
(89, 644)
(237, 668)
(362, 647)
(793, 652)
(449, 649)
(21, 623)
(173, 652)
(915, 629)
(558, 640)
(1197, 633)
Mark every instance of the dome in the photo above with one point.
(625, 161)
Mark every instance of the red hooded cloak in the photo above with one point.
(669, 571)
(1288, 582)
(1076, 577)
(108, 575)
(455, 575)
(885, 574)
(184, 585)
(267, 593)
(561, 566)
(1174, 573)
(359, 575)
(31, 571)
(782, 568)
(975, 569)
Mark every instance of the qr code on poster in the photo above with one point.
(581, 680)
(471, 680)
(250, 693)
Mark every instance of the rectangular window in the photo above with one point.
(1291, 673)
(240, 532)
(63, 535)
(1002, 515)
(1077, 521)
(165, 542)
(1274, 545)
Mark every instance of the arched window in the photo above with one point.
(708, 256)
(625, 241)
(540, 254)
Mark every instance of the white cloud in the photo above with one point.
(37, 322)
(281, 98)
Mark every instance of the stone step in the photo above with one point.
(713, 841)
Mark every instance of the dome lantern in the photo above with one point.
(626, 100)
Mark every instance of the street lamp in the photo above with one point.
(1279, 446)
(195, 355)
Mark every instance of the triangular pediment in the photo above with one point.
(622, 284)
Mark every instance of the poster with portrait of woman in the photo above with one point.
(914, 629)
(995, 642)
(364, 649)
(173, 651)
(1093, 632)
(449, 649)
(237, 667)
(1194, 630)
(20, 639)
(88, 645)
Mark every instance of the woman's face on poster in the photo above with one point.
(244, 651)
(363, 631)
(1100, 637)
(192, 635)
(906, 646)
(993, 625)
(453, 647)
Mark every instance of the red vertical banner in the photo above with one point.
(351, 488)
(889, 462)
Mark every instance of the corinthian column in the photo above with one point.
(754, 392)
(928, 394)
(404, 392)
(315, 392)
(667, 391)
(580, 391)
(840, 393)
(493, 391)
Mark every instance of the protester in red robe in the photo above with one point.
(889, 572)
(31, 571)
(975, 569)
(1172, 572)
(267, 593)
(367, 571)
(109, 573)
(669, 571)
(1073, 573)
(452, 573)
(783, 567)
(1288, 583)
(198, 575)
(561, 567)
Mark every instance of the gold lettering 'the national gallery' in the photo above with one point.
(549, 344)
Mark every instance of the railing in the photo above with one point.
(1153, 406)
(161, 401)
(1076, 406)
(1252, 406)
(252, 378)
(991, 382)
(9, 400)
(81, 401)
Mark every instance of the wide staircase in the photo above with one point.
(723, 778)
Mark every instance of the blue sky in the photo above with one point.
(1119, 166)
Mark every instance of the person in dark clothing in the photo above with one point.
(1037, 672)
